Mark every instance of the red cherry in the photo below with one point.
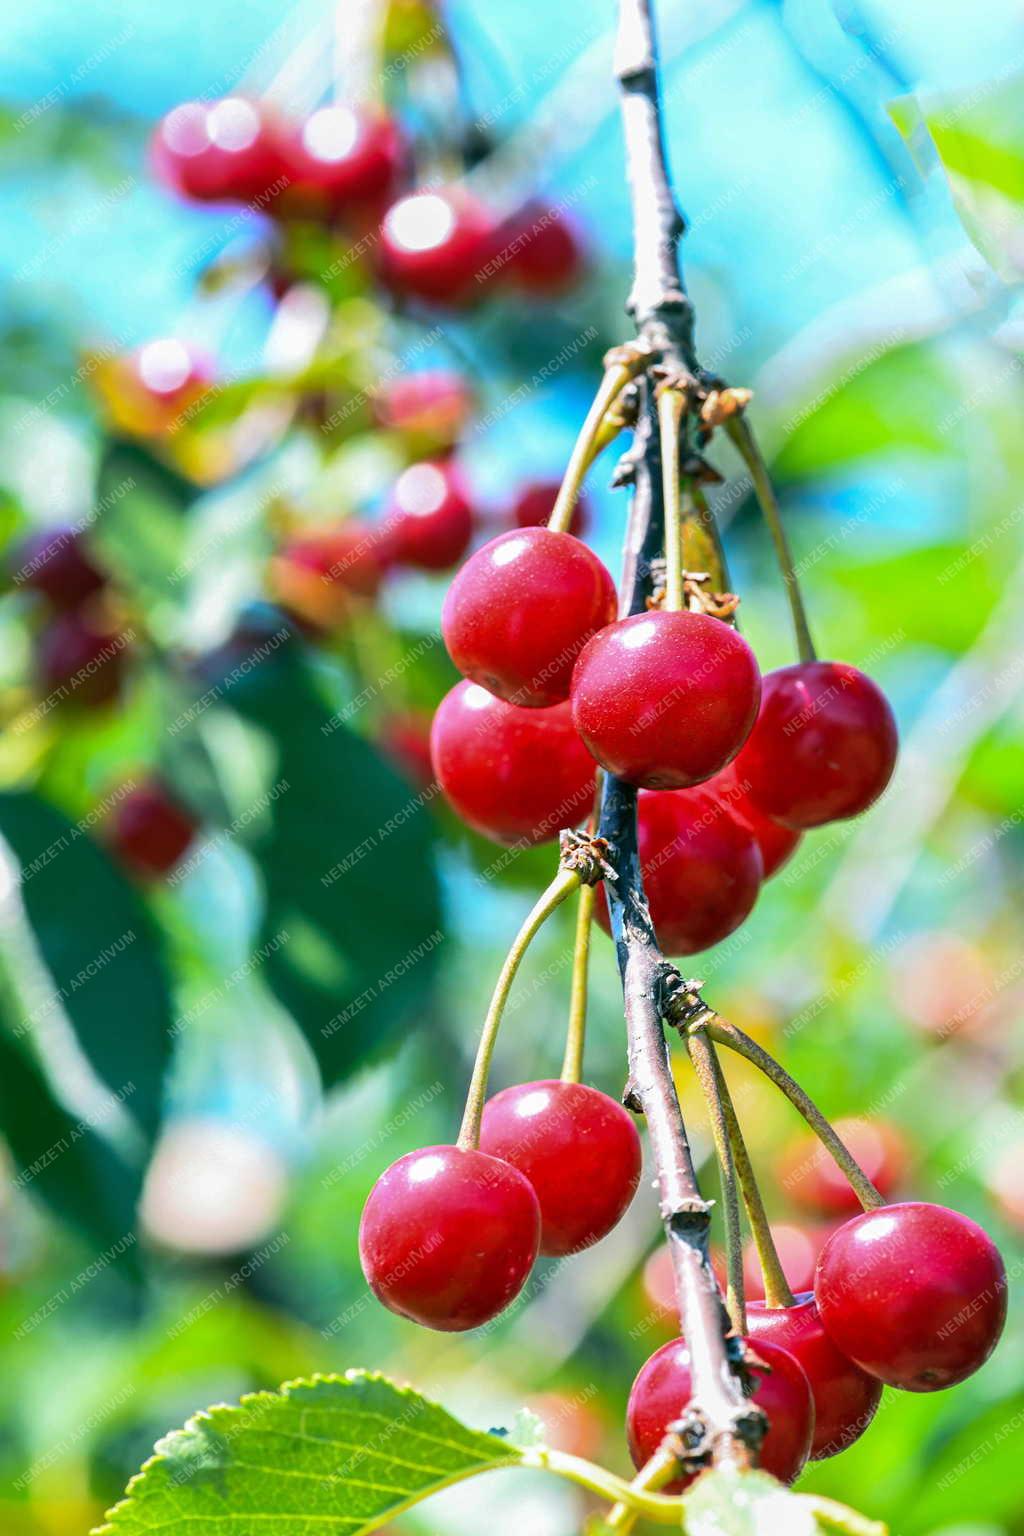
(535, 503)
(775, 841)
(405, 737)
(520, 611)
(915, 1294)
(429, 522)
(516, 775)
(80, 659)
(845, 1398)
(342, 156)
(219, 151)
(662, 1390)
(810, 1177)
(665, 699)
(437, 245)
(542, 251)
(431, 407)
(447, 1237)
(315, 574)
(56, 563)
(578, 1148)
(701, 869)
(149, 831)
(824, 746)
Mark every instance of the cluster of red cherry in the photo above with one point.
(350, 166)
(82, 648)
(732, 767)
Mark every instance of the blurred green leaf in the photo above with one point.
(140, 515)
(344, 1452)
(975, 1476)
(60, 1158)
(349, 871)
(978, 135)
(101, 948)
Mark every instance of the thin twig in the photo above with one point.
(728, 1034)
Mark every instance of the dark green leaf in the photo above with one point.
(101, 948)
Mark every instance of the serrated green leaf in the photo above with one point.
(334, 1454)
(101, 948)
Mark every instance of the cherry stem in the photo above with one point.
(662, 1508)
(740, 432)
(662, 1468)
(728, 1034)
(572, 1065)
(776, 1287)
(702, 543)
(705, 1065)
(671, 407)
(566, 881)
(614, 381)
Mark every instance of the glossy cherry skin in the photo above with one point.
(80, 659)
(579, 1149)
(824, 746)
(665, 700)
(701, 869)
(535, 503)
(56, 563)
(429, 521)
(219, 151)
(915, 1294)
(776, 842)
(515, 775)
(662, 1390)
(543, 252)
(845, 1397)
(342, 156)
(447, 1237)
(149, 832)
(315, 575)
(431, 407)
(437, 245)
(521, 609)
(810, 1176)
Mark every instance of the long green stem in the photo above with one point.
(659, 1507)
(728, 1034)
(776, 1287)
(671, 405)
(564, 882)
(739, 431)
(572, 1065)
(614, 381)
(704, 1063)
(662, 1468)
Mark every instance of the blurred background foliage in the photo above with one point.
(190, 1131)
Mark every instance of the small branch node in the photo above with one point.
(586, 855)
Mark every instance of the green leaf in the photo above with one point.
(978, 136)
(349, 870)
(101, 948)
(61, 1159)
(140, 516)
(337, 1453)
(726, 1502)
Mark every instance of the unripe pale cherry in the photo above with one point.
(579, 1149)
(429, 522)
(915, 1294)
(824, 745)
(663, 699)
(515, 775)
(701, 869)
(436, 245)
(663, 1388)
(845, 1397)
(521, 609)
(448, 1237)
